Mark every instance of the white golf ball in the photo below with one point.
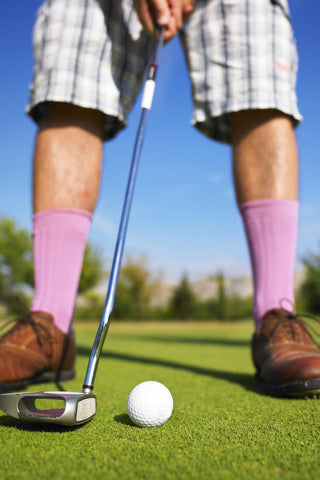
(150, 404)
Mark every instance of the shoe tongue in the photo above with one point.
(273, 318)
(42, 317)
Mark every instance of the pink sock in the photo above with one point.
(271, 230)
(59, 239)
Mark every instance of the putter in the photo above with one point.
(81, 407)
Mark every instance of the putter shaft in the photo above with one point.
(119, 248)
(81, 407)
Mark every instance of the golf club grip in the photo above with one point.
(119, 248)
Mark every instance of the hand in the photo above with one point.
(170, 14)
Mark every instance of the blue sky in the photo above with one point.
(184, 216)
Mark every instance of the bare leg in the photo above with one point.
(265, 159)
(67, 159)
(266, 175)
(67, 165)
(67, 170)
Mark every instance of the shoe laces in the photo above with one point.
(294, 324)
(42, 333)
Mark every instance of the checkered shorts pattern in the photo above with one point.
(241, 54)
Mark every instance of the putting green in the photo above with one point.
(221, 427)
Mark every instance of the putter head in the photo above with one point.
(78, 407)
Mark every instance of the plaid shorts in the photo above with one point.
(241, 55)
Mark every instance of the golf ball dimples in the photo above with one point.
(150, 404)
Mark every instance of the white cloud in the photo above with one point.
(229, 194)
(104, 225)
(309, 228)
(215, 179)
(308, 209)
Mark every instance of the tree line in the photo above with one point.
(137, 286)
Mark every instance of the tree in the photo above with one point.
(221, 304)
(183, 300)
(16, 264)
(309, 291)
(136, 287)
(92, 270)
(16, 269)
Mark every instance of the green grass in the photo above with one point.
(221, 427)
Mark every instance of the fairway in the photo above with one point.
(221, 427)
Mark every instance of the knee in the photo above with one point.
(60, 114)
(245, 122)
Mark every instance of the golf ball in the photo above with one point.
(150, 404)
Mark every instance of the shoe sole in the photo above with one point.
(295, 389)
(44, 377)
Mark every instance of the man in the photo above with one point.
(90, 59)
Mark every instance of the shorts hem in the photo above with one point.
(114, 121)
(217, 125)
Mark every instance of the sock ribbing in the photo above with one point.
(59, 239)
(271, 231)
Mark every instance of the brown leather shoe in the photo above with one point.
(35, 351)
(286, 358)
